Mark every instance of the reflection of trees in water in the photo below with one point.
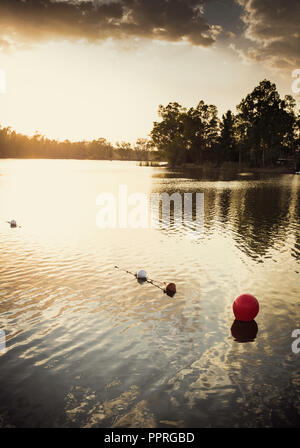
(224, 204)
(294, 211)
(263, 220)
(296, 250)
(259, 215)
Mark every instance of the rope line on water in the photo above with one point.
(152, 282)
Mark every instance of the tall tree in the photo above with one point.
(184, 135)
(201, 131)
(263, 120)
(168, 135)
(227, 143)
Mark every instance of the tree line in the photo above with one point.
(16, 145)
(264, 130)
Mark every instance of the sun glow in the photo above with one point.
(83, 92)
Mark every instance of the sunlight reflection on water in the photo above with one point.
(89, 346)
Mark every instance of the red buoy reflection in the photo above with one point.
(244, 331)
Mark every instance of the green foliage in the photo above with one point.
(168, 134)
(264, 129)
(186, 135)
(265, 125)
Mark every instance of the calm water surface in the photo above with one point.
(88, 346)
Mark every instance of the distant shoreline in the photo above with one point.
(236, 168)
(208, 167)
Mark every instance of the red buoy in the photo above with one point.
(245, 307)
(171, 289)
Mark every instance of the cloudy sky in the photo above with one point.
(89, 69)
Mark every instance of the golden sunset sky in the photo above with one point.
(88, 69)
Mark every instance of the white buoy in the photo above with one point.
(141, 275)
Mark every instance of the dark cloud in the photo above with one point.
(30, 21)
(273, 27)
(267, 31)
(226, 13)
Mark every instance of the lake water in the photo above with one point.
(88, 346)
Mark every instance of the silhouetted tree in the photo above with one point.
(227, 149)
(168, 135)
(184, 135)
(13, 144)
(263, 121)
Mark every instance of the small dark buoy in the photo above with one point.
(13, 223)
(170, 289)
(245, 307)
